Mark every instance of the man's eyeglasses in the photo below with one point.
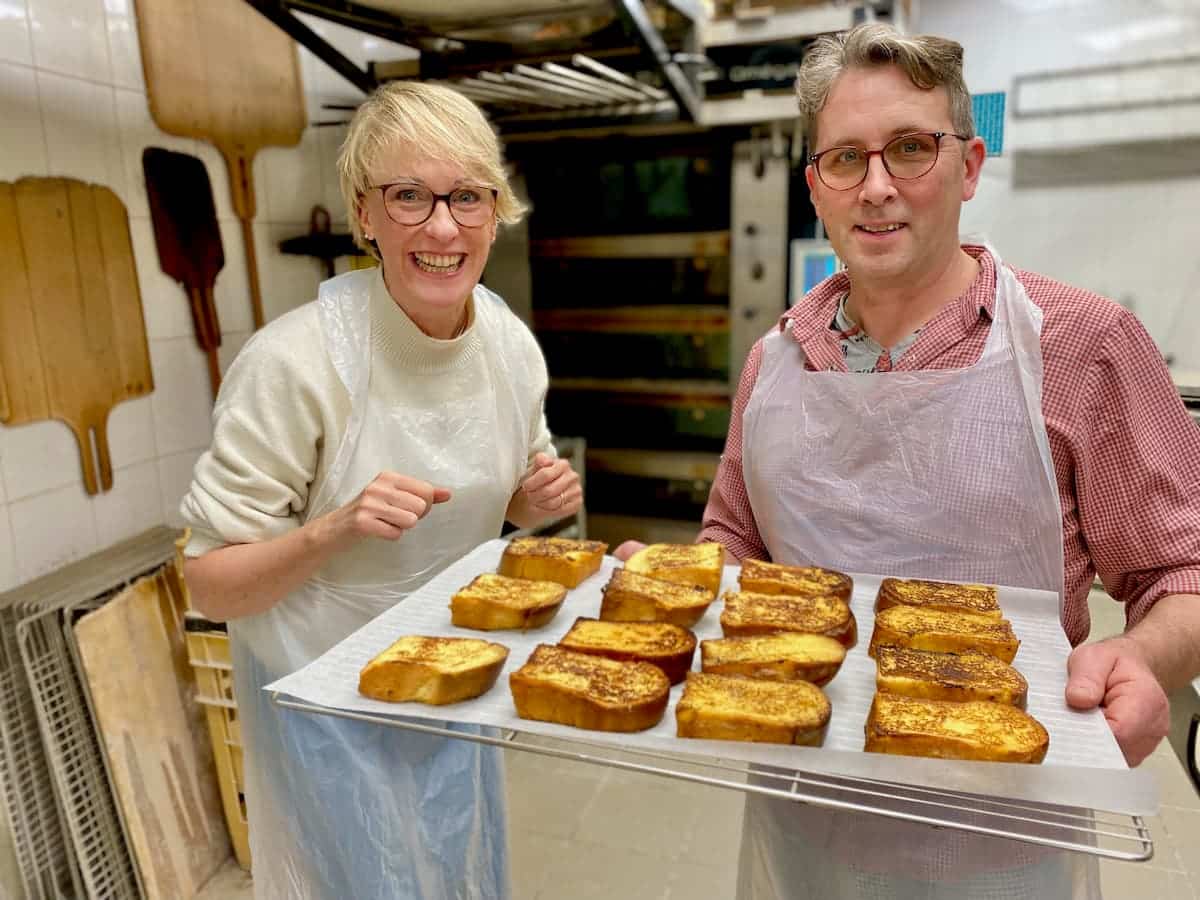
(413, 204)
(906, 157)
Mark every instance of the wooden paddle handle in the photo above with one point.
(87, 435)
(241, 186)
(208, 330)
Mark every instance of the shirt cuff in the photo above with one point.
(1178, 581)
(735, 545)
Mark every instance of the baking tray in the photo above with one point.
(1054, 804)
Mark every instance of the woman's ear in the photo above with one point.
(364, 219)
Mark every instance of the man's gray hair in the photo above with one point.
(928, 61)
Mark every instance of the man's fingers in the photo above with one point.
(441, 494)
(1088, 669)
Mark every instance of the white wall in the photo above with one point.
(1134, 241)
(73, 103)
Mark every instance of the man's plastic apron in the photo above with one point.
(340, 809)
(937, 474)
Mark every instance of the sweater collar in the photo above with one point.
(398, 338)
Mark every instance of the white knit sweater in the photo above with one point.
(282, 412)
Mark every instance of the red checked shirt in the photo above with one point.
(1125, 451)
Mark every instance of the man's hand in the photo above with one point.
(1114, 675)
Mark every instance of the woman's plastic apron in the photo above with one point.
(938, 474)
(340, 809)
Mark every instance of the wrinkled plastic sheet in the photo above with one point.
(1083, 768)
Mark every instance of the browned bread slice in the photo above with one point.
(976, 730)
(808, 581)
(783, 656)
(748, 613)
(928, 675)
(932, 629)
(729, 708)
(434, 670)
(629, 597)
(561, 560)
(972, 598)
(698, 564)
(585, 691)
(667, 646)
(494, 602)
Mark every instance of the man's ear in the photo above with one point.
(974, 153)
(810, 178)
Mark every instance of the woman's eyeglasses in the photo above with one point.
(413, 204)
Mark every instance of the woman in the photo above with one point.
(361, 443)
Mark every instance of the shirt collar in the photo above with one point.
(811, 316)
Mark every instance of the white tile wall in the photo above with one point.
(8, 568)
(123, 51)
(38, 457)
(133, 505)
(182, 397)
(24, 147)
(51, 529)
(14, 32)
(73, 103)
(71, 37)
(72, 108)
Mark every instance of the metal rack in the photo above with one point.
(67, 838)
(1106, 835)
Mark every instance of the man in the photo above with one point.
(1006, 428)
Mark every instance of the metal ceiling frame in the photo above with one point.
(679, 70)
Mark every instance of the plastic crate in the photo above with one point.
(208, 652)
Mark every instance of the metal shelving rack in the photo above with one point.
(1105, 835)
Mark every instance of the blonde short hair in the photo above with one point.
(430, 121)
(928, 61)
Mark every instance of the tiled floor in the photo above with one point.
(579, 831)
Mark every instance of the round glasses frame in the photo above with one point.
(484, 213)
(815, 159)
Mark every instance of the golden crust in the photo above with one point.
(980, 599)
(729, 708)
(784, 656)
(946, 632)
(630, 597)
(994, 732)
(661, 644)
(434, 670)
(970, 675)
(807, 581)
(746, 613)
(696, 564)
(496, 602)
(584, 691)
(561, 560)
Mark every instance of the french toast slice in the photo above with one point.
(749, 613)
(629, 597)
(980, 599)
(585, 691)
(946, 632)
(434, 670)
(783, 656)
(928, 675)
(662, 644)
(698, 564)
(561, 560)
(729, 708)
(995, 732)
(760, 577)
(496, 602)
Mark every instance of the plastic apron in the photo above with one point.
(941, 474)
(341, 809)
